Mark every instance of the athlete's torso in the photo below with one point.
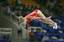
(31, 16)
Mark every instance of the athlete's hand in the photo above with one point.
(55, 26)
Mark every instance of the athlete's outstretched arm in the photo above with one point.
(46, 20)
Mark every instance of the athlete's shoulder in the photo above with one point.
(34, 12)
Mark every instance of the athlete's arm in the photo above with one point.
(46, 20)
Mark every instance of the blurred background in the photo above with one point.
(10, 10)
